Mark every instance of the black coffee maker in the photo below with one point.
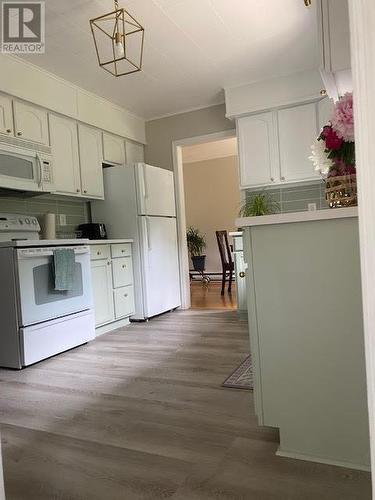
(93, 231)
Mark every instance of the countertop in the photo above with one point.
(314, 215)
(110, 242)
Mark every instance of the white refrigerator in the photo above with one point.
(140, 204)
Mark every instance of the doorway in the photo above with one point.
(211, 198)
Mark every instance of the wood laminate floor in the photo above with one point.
(209, 297)
(140, 414)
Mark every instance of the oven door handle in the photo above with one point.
(27, 254)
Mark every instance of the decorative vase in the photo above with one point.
(341, 191)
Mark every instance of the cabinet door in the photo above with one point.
(6, 115)
(257, 150)
(334, 34)
(297, 131)
(325, 108)
(122, 272)
(30, 122)
(101, 275)
(124, 301)
(113, 149)
(134, 152)
(64, 143)
(90, 155)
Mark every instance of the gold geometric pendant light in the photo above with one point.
(118, 39)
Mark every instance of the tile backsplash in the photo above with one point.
(296, 198)
(76, 211)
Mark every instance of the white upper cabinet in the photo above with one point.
(30, 123)
(298, 129)
(325, 108)
(334, 38)
(134, 152)
(113, 149)
(91, 157)
(274, 147)
(334, 31)
(257, 150)
(64, 144)
(6, 115)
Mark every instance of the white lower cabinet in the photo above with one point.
(124, 301)
(101, 273)
(112, 281)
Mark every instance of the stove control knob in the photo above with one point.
(27, 221)
(20, 221)
(35, 222)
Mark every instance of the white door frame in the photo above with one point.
(362, 28)
(180, 204)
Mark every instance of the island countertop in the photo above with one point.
(313, 215)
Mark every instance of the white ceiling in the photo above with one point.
(210, 150)
(193, 49)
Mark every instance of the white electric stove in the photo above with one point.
(37, 320)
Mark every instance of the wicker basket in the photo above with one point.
(341, 191)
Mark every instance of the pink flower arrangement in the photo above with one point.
(342, 119)
(334, 154)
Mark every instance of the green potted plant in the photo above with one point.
(196, 244)
(259, 204)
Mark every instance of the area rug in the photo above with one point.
(242, 377)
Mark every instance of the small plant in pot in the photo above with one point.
(196, 244)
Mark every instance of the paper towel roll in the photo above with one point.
(49, 227)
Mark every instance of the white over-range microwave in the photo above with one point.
(25, 169)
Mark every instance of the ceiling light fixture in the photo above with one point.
(307, 3)
(118, 39)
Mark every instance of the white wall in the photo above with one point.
(212, 200)
(162, 132)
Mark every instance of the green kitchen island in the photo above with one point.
(306, 334)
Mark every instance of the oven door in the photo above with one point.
(39, 301)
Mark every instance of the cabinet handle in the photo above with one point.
(109, 263)
(77, 190)
(283, 178)
(123, 266)
(241, 274)
(19, 133)
(125, 295)
(98, 253)
(9, 130)
(272, 179)
(122, 251)
(84, 191)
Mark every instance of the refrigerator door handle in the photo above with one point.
(144, 181)
(148, 234)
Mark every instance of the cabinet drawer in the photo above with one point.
(121, 250)
(124, 301)
(100, 252)
(122, 270)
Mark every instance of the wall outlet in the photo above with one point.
(311, 207)
(62, 220)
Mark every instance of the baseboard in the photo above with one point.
(319, 460)
(111, 326)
